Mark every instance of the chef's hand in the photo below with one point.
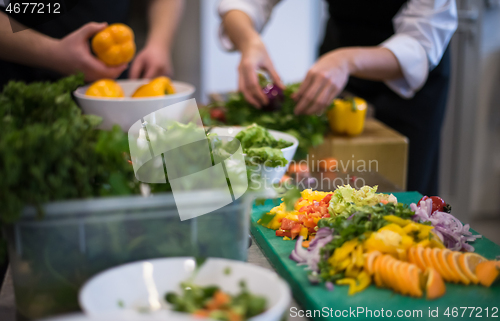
(325, 80)
(254, 57)
(74, 55)
(152, 61)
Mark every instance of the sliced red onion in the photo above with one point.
(311, 256)
(447, 227)
(329, 286)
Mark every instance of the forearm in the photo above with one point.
(372, 63)
(26, 47)
(239, 28)
(164, 17)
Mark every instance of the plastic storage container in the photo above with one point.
(51, 258)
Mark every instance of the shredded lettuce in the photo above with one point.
(346, 199)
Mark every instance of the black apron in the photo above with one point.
(110, 11)
(369, 23)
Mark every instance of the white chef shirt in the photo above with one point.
(423, 29)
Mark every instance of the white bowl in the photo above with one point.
(270, 175)
(126, 111)
(126, 316)
(142, 285)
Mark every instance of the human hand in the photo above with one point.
(324, 81)
(153, 61)
(254, 57)
(73, 55)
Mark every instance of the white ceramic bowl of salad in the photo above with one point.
(126, 316)
(127, 110)
(270, 175)
(141, 286)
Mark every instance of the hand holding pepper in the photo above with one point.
(73, 55)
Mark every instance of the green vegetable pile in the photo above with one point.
(363, 219)
(261, 147)
(308, 129)
(202, 300)
(346, 200)
(50, 151)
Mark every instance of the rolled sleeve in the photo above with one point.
(423, 29)
(259, 12)
(413, 61)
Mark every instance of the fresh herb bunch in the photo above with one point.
(50, 151)
(308, 129)
(364, 219)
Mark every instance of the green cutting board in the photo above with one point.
(317, 302)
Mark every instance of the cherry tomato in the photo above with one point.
(438, 204)
(217, 114)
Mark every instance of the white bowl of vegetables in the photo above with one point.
(267, 152)
(127, 110)
(215, 289)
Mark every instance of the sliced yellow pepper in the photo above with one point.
(363, 281)
(347, 116)
(304, 232)
(343, 252)
(397, 220)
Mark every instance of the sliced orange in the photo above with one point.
(384, 269)
(412, 275)
(397, 278)
(419, 257)
(427, 257)
(443, 262)
(435, 263)
(377, 276)
(369, 260)
(411, 254)
(468, 263)
(488, 272)
(434, 286)
(452, 260)
(404, 283)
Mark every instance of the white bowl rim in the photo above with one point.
(282, 303)
(293, 139)
(191, 90)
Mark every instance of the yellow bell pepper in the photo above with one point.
(361, 282)
(114, 45)
(304, 232)
(105, 88)
(397, 220)
(157, 87)
(343, 252)
(389, 239)
(347, 116)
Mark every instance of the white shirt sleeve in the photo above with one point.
(423, 29)
(259, 12)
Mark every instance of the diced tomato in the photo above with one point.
(309, 222)
(283, 233)
(326, 215)
(326, 199)
(295, 231)
(311, 229)
(301, 217)
(287, 224)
